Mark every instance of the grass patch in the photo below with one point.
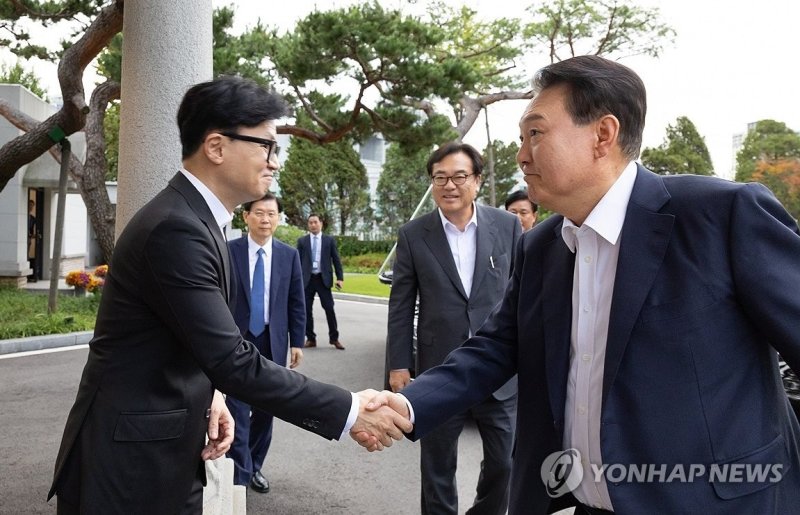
(23, 313)
(364, 284)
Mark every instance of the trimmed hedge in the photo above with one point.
(352, 246)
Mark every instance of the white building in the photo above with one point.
(38, 182)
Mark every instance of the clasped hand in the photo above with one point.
(382, 417)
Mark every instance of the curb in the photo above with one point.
(51, 341)
(48, 341)
(360, 298)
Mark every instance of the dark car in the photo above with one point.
(792, 386)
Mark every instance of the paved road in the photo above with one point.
(308, 474)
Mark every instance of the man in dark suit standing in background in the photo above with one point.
(319, 257)
(642, 320)
(270, 311)
(164, 339)
(457, 259)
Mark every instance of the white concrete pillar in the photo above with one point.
(166, 48)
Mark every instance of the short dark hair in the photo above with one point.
(518, 195)
(267, 196)
(223, 104)
(597, 87)
(310, 215)
(454, 147)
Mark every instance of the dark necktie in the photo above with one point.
(257, 297)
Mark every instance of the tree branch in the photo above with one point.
(72, 116)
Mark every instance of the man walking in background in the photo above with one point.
(457, 259)
(270, 311)
(319, 257)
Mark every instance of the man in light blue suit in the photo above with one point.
(643, 323)
(269, 310)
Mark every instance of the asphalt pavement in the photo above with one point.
(307, 473)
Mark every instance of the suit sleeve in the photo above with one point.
(337, 263)
(297, 304)
(402, 303)
(186, 293)
(765, 255)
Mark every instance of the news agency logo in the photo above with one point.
(562, 472)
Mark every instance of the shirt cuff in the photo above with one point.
(411, 417)
(351, 417)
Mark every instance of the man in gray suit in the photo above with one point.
(457, 259)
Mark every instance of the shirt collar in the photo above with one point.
(608, 216)
(253, 247)
(472, 221)
(218, 210)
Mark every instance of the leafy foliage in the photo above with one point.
(597, 27)
(403, 182)
(783, 178)
(329, 180)
(769, 141)
(17, 74)
(683, 151)
(506, 171)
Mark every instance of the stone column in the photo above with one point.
(166, 48)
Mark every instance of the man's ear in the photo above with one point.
(607, 134)
(212, 148)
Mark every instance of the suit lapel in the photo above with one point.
(558, 266)
(643, 243)
(485, 237)
(199, 206)
(436, 241)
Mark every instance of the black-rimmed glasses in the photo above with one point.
(270, 145)
(458, 179)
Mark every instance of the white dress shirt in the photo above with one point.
(223, 217)
(596, 248)
(316, 247)
(252, 253)
(463, 246)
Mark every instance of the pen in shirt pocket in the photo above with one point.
(491, 261)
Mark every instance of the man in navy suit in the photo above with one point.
(271, 323)
(319, 257)
(643, 322)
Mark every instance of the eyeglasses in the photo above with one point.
(458, 179)
(269, 145)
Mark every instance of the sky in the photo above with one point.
(730, 64)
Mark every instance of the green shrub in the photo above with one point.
(364, 263)
(352, 246)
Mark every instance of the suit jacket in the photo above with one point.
(328, 259)
(164, 339)
(706, 290)
(287, 304)
(424, 266)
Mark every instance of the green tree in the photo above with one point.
(766, 141)
(683, 151)
(403, 182)
(506, 171)
(17, 74)
(329, 180)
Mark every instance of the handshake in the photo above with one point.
(382, 417)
